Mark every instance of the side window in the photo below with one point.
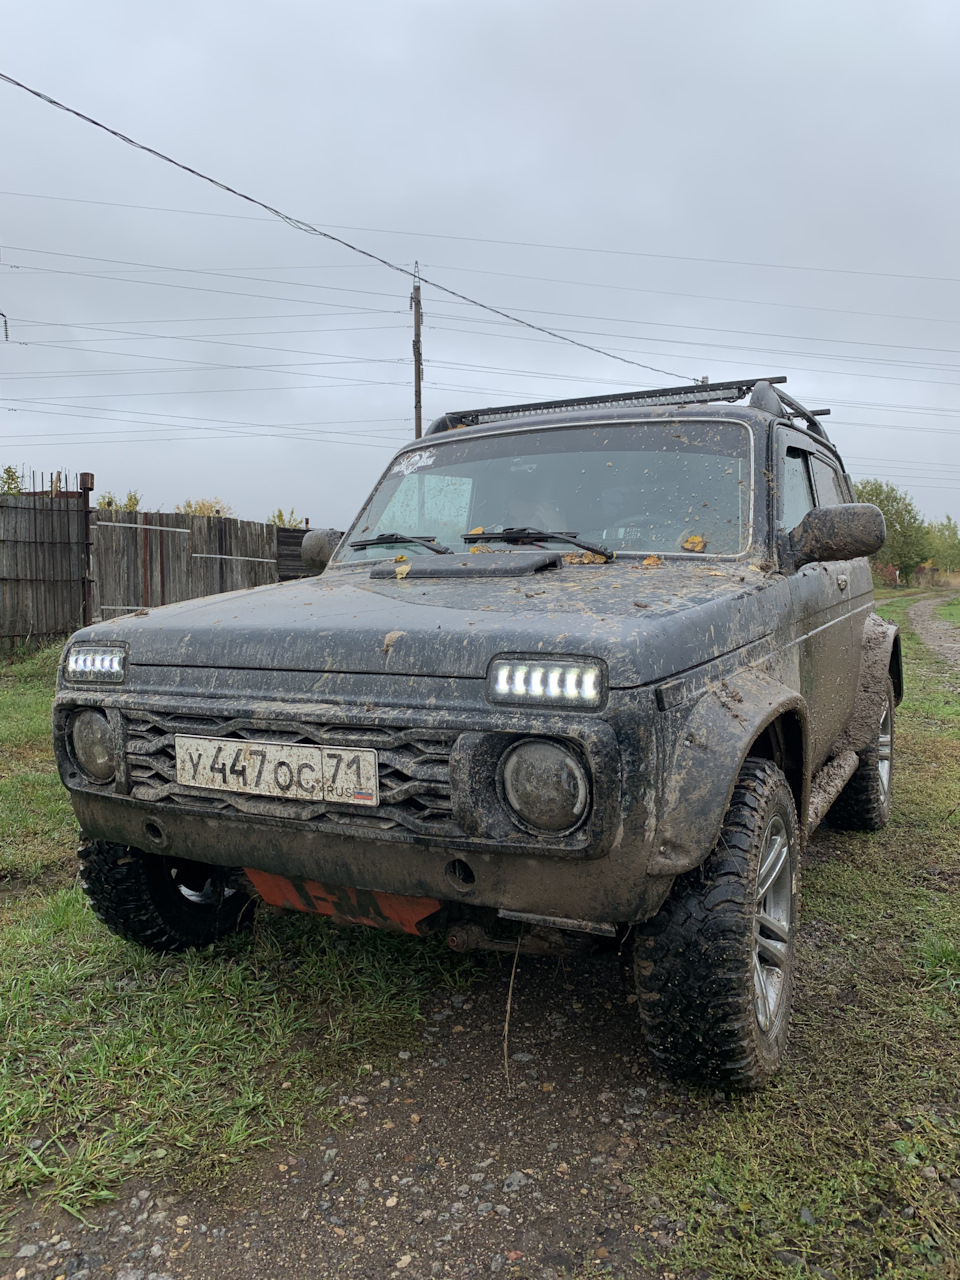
(830, 489)
(796, 493)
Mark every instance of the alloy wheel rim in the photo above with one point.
(772, 923)
(209, 894)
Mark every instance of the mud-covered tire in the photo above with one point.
(714, 969)
(864, 803)
(164, 904)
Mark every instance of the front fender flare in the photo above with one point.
(716, 740)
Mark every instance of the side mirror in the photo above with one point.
(317, 547)
(833, 533)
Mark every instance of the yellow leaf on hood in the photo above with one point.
(402, 570)
(651, 562)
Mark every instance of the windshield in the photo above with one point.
(675, 488)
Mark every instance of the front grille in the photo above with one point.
(414, 772)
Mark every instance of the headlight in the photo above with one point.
(563, 683)
(545, 785)
(102, 663)
(93, 745)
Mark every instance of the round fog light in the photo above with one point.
(93, 745)
(545, 785)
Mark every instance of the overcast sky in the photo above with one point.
(726, 189)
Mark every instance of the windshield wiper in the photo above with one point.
(397, 539)
(523, 536)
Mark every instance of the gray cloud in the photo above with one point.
(797, 134)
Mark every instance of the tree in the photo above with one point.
(11, 480)
(109, 501)
(945, 537)
(909, 541)
(288, 520)
(205, 507)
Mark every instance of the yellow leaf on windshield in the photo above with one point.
(398, 559)
(478, 529)
(694, 543)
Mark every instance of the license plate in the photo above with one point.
(337, 775)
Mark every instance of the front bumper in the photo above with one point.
(607, 889)
(439, 802)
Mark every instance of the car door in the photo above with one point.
(827, 655)
(853, 577)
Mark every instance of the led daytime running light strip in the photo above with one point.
(569, 683)
(94, 662)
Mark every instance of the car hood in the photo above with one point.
(645, 623)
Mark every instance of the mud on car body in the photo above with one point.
(590, 671)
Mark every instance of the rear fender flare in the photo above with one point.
(880, 659)
(723, 726)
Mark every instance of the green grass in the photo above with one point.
(38, 834)
(114, 1061)
(119, 1062)
(845, 1160)
(950, 611)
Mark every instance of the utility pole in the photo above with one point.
(417, 353)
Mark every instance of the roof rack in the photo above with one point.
(763, 397)
(794, 409)
(697, 393)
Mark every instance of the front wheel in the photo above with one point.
(714, 968)
(164, 904)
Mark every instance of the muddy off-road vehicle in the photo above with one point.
(582, 673)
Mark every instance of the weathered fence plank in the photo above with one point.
(144, 559)
(42, 566)
(55, 552)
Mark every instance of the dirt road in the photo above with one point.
(942, 637)
(443, 1171)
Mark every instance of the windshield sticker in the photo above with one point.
(410, 462)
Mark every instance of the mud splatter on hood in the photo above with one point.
(645, 623)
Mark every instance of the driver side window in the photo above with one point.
(796, 491)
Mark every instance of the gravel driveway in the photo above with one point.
(441, 1172)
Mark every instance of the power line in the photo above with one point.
(517, 244)
(701, 344)
(229, 293)
(307, 227)
(230, 273)
(747, 302)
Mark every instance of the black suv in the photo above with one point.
(582, 673)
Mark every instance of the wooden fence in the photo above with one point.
(63, 565)
(141, 559)
(43, 563)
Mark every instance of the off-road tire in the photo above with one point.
(698, 996)
(164, 904)
(864, 803)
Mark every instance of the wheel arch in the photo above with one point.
(749, 714)
(881, 660)
(782, 742)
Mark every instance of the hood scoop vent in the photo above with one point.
(507, 564)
